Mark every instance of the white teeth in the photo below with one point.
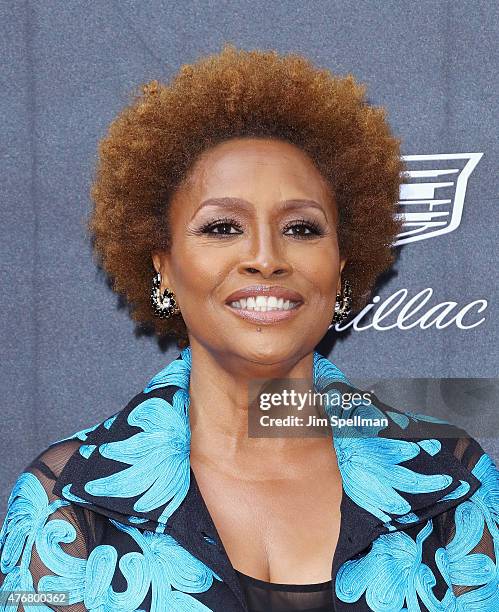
(263, 303)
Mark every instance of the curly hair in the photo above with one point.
(154, 141)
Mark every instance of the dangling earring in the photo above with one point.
(164, 306)
(343, 304)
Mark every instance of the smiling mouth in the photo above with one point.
(263, 303)
(266, 309)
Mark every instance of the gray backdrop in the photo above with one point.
(69, 352)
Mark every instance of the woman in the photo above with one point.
(244, 208)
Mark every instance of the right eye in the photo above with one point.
(222, 227)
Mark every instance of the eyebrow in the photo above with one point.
(230, 203)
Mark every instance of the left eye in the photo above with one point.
(302, 229)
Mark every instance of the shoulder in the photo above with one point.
(33, 488)
(51, 461)
(426, 445)
(38, 519)
(470, 528)
(451, 438)
(58, 453)
(464, 548)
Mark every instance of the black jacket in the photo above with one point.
(113, 514)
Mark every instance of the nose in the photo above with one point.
(265, 256)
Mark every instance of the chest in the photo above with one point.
(279, 530)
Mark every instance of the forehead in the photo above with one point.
(254, 165)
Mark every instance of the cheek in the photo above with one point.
(199, 269)
(320, 268)
(325, 281)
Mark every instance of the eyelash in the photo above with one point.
(312, 226)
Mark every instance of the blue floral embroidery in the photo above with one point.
(108, 422)
(456, 562)
(410, 517)
(403, 419)
(86, 580)
(137, 519)
(390, 574)
(371, 473)
(370, 470)
(28, 509)
(169, 565)
(487, 496)
(432, 447)
(83, 434)
(158, 457)
(26, 525)
(66, 491)
(324, 372)
(482, 599)
(175, 373)
(86, 450)
(461, 490)
(89, 580)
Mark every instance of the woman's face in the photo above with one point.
(255, 215)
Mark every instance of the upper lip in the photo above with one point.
(254, 290)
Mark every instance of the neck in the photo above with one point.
(218, 411)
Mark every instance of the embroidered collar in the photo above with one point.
(134, 467)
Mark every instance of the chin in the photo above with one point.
(271, 348)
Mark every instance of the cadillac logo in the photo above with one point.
(432, 203)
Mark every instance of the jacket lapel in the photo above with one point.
(193, 528)
(394, 477)
(134, 468)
